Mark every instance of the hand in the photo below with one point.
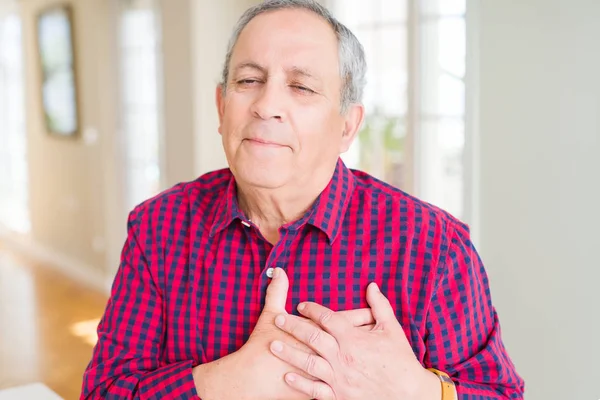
(252, 372)
(354, 363)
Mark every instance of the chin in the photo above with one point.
(262, 176)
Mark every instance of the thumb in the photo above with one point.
(277, 292)
(380, 305)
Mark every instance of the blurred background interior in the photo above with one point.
(487, 108)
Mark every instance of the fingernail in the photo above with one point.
(275, 273)
(277, 346)
(301, 306)
(280, 320)
(290, 378)
(376, 287)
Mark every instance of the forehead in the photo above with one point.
(288, 38)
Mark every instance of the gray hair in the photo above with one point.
(351, 53)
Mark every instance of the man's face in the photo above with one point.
(280, 118)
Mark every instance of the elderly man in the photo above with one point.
(288, 276)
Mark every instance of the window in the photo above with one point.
(414, 131)
(141, 128)
(14, 203)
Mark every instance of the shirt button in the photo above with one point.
(270, 272)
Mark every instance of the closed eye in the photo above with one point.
(247, 81)
(303, 89)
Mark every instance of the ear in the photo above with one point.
(220, 101)
(352, 122)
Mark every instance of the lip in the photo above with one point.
(261, 142)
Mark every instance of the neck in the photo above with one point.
(269, 209)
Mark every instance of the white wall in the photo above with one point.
(176, 24)
(540, 188)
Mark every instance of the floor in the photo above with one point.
(47, 325)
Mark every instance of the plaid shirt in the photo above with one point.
(193, 276)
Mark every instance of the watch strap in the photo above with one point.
(448, 387)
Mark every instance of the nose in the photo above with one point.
(268, 103)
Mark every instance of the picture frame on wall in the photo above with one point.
(57, 61)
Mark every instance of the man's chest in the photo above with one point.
(222, 290)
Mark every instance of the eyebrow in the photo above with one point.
(302, 72)
(263, 70)
(251, 65)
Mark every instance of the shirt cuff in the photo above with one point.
(171, 381)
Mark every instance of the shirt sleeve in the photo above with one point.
(463, 331)
(126, 361)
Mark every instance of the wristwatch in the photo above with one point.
(448, 387)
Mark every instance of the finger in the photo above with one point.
(333, 323)
(359, 317)
(315, 389)
(277, 291)
(380, 305)
(313, 336)
(312, 364)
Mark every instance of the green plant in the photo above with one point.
(386, 131)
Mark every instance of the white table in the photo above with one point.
(34, 391)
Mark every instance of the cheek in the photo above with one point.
(322, 128)
(319, 140)
(235, 117)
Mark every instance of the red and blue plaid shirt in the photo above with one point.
(193, 276)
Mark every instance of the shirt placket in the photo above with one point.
(276, 258)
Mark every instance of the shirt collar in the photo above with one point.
(227, 210)
(326, 213)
